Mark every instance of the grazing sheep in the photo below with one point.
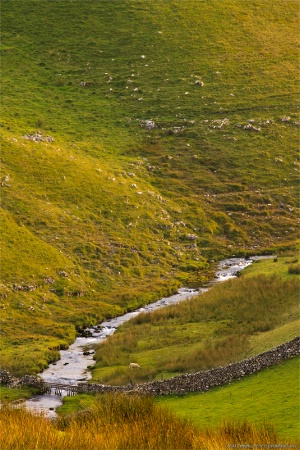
(134, 366)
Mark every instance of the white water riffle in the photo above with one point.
(73, 366)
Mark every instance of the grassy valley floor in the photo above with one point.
(270, 396)
(236, 319)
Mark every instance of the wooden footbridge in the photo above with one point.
(59, 389)
(72, 390)
(48, 387)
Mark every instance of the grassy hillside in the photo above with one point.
(166, 135)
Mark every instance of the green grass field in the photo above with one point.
(147, 175)
(270, 396)
(8, 394)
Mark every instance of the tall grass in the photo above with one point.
(294, 269)
(120, 422)
(211, 330)
(252, 303)
(226, 350)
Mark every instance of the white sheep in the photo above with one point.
(134, 366)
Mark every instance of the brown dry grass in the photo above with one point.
(121, 422)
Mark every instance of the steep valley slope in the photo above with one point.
(141, 142)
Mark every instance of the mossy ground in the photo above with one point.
(8, 394)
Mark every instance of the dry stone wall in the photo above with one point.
(191, 382)
(204, 380)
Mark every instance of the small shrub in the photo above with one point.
(294, 269)
(291, 261)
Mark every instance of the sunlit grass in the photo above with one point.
(262, 342)
(8, 394)
(270, 396)
(241, 317)
(114, 422)
(70, 205)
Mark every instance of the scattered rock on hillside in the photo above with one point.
(5, 181)
(219, 123)
(38, 137)
(251, 127)
(62, 273)
(49, 280)
(24, 287)
(192, 237)
(148, 124)
(151, 168)
(267, 122)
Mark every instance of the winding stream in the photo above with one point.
(73, 366)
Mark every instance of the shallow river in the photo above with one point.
(73, 364)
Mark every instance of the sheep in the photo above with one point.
(134, 366)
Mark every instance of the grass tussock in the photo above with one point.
(294, 269)
(211, 330)
(121, 422)
(211, 355)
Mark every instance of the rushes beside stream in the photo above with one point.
(208, 331)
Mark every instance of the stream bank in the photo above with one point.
(73, 366)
